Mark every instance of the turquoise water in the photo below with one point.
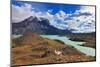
(86, 50)
(63, 39)
(16, 36)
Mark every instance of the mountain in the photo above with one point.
(34, 25)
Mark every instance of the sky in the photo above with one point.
(76, 18)
(69, 8)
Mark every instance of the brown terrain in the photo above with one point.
(90, 40)
(32, 49)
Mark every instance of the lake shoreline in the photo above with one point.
(43, 49)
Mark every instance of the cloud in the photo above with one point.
(81, 21)
(19, 13)
(50, 11)
(88, 9)
(85, 20)
(60, 15)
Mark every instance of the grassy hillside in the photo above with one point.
(33, 49)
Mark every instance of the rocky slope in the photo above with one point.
(31, 49)
(36, 26)
(89, 39)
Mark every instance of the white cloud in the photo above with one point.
(60, 15)
(45, 15)
(19, 13)
(86, 23)
(88, 9)
(82, 21)
(50, 11)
